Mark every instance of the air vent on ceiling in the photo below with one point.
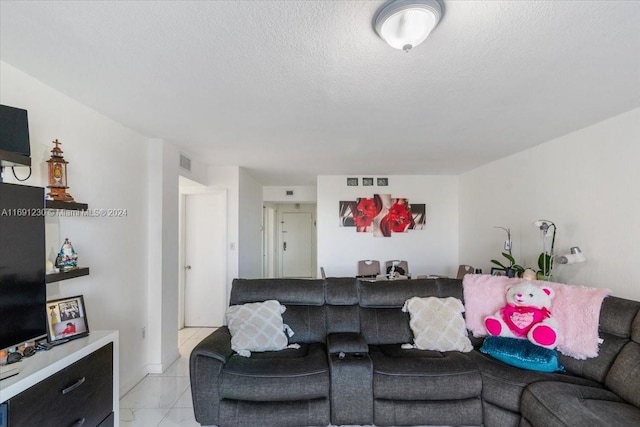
(185, 162)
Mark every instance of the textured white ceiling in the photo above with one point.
(293, 89)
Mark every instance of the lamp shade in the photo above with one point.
(573, 257)
(405, 24)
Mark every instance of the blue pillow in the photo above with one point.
(522, 354)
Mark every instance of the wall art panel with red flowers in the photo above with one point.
(382, 215)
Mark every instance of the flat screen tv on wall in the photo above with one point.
(14, 131)
(22, 265)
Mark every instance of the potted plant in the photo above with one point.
(545, 260)
(512, 269)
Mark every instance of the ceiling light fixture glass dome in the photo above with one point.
(404, 24)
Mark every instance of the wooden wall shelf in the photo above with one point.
(65, 275)
(70, 206)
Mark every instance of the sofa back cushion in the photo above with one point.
(394, 293)
(616, 319)
(304, 300)
(342, 304)
(624, 376)
(385, 326)
(308, 323)
(382, 320)
(286, 291)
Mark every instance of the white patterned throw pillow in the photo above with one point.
(437, 324)
(257, 326)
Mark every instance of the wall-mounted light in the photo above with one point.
(404, 24)
(544, 225)
(574, 256)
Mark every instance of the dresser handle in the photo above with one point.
(73, 387)
(78, 423)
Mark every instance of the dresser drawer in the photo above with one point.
(79, 395)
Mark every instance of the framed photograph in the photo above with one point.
(383, 182)
(352, 182)
(66, 319)
(498, 272)
(367, 182)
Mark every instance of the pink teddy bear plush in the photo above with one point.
(526, 315)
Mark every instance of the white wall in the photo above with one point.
(198, 172)
(107, 169)
(250, 232)
(163, 255)
(433, 250)
(301, 194)
(228, 178)
(586, 182)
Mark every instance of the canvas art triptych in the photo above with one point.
(382, 215)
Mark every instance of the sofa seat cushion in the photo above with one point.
(286, 375)
(551, 403)
(502, 384)
(412, 374)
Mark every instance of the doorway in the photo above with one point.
(296, 244)
(289, 240)
(203, 260)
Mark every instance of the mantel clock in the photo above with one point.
(57, 167)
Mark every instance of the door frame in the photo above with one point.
(275, 234)
(185, 191)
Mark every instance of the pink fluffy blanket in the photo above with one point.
(576, 308)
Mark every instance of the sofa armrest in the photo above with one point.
(217, 345)
(346, 342)
(205, 365)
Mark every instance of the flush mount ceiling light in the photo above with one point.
(405, 24)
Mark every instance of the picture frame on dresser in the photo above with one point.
(498, 271)
(66, 319)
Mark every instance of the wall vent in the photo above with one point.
(185, 162)
(289, 193)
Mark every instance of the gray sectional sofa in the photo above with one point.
(350, 368)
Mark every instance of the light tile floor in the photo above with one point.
(164, 400)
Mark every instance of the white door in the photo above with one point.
(205, 259)
(297, 230)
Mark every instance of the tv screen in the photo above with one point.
(23, 291)
(14, 130)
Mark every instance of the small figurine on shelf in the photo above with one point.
(67, 258)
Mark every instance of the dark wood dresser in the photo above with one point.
(79, 389)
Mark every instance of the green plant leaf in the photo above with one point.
(544, 263)
(498, 263)
(509, 257)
